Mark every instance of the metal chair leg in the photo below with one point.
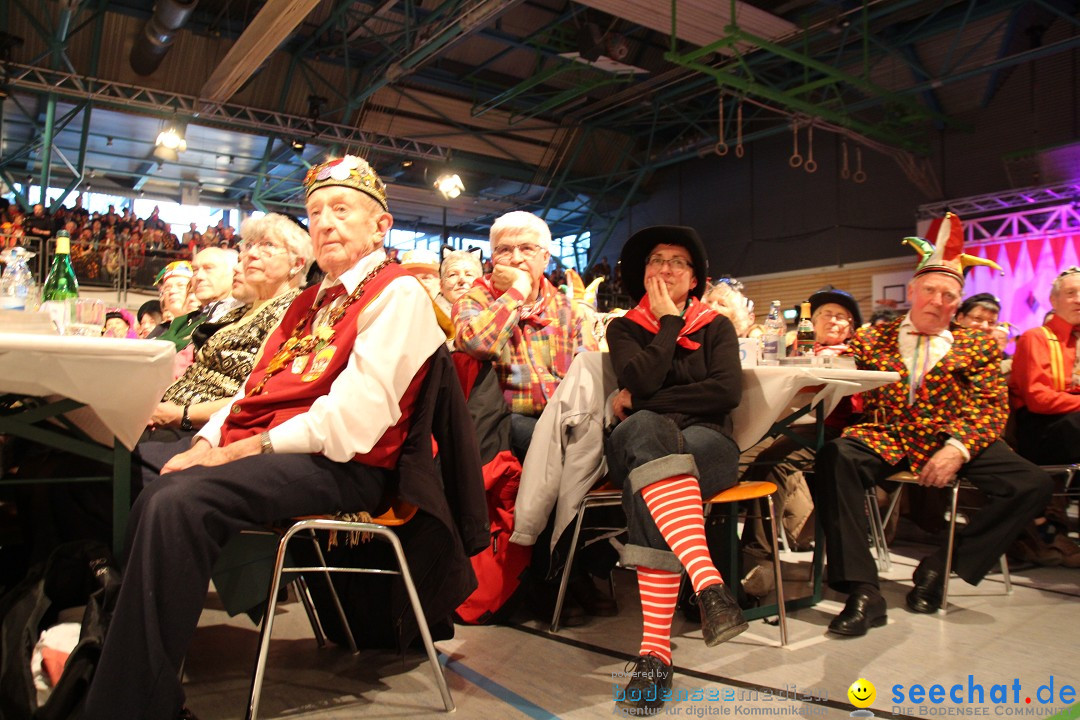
(877, 531)
(781, 610)
(565, 579)
(304, 593)
(949, 547)
(421, 620)
(1005, 575)
(333, 594)
(267, 629)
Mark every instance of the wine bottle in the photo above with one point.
(61, 283)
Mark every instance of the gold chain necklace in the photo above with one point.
(296, 346)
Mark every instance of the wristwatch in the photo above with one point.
(264, 443)
(185, 421)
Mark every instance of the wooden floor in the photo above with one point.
(522, 671)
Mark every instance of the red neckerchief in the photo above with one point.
(533, 315)
(697, 316)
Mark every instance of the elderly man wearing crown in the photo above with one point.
(316, 429)
(943, 418)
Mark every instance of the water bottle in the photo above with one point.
(772, 342)
(17, 282)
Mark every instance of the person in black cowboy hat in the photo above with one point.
(677, 364)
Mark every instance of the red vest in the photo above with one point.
(291, 391)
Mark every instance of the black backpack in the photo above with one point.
(77, 573)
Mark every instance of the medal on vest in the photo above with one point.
(296, 349)
(319, 363)
(298, 364)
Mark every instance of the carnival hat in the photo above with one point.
(640, 245)
(349, 171)
(946, 254)
(829, 294)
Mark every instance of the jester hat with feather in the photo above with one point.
(946, 254)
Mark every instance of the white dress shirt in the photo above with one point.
(396, 333)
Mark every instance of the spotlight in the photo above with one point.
(298, 145)
(108, 141)
(450, 185)
(171, 139)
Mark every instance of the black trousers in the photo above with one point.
(1016, 492)
(1048, 439)
(175, 533)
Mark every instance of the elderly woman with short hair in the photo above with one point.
(274, 258)
(726, 297)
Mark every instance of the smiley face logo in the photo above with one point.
(862, 693)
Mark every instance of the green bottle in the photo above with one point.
(61, 283)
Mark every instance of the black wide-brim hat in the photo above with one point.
(829, 294)
(640, 245)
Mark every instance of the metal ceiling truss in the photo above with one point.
(1031, 198)
(1044, 222)
(241, 118)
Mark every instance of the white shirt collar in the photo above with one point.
(354, 275)
(907, 326)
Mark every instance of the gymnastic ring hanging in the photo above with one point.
(796, 159)
(811, 165)
(859, 176)
(721, 148)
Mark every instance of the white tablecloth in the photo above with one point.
(771, 393)
(120, 381)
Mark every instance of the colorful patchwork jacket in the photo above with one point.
(963, 397)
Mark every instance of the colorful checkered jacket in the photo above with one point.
(532, 355)
(963, 397)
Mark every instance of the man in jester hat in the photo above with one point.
(317, 428)
(942, 419)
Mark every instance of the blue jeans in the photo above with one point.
(648, 447)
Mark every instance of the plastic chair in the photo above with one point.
(755, 490)
(397, 515)
(877, 530)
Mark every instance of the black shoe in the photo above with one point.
(650, 683)
(186, 714)
(591, 600)
(862, 612)
(929, 581)
(721, 617)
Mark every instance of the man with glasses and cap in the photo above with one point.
(944, 417)
(317, 428)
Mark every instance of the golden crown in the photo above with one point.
(349, 171)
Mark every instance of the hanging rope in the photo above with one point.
(859, 176)
(739, 151)
(845, 172)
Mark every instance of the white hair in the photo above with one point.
(297, 240)
(460, 257)
(521, 221)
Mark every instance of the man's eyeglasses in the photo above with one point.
(262, 248)
(676, 263)
(527, 250)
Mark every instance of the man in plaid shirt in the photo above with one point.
(516, 319)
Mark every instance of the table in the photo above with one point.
(776, 393)
(774, 398)
(88, 396)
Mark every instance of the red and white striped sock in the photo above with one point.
(675, 505)
(659, 591)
